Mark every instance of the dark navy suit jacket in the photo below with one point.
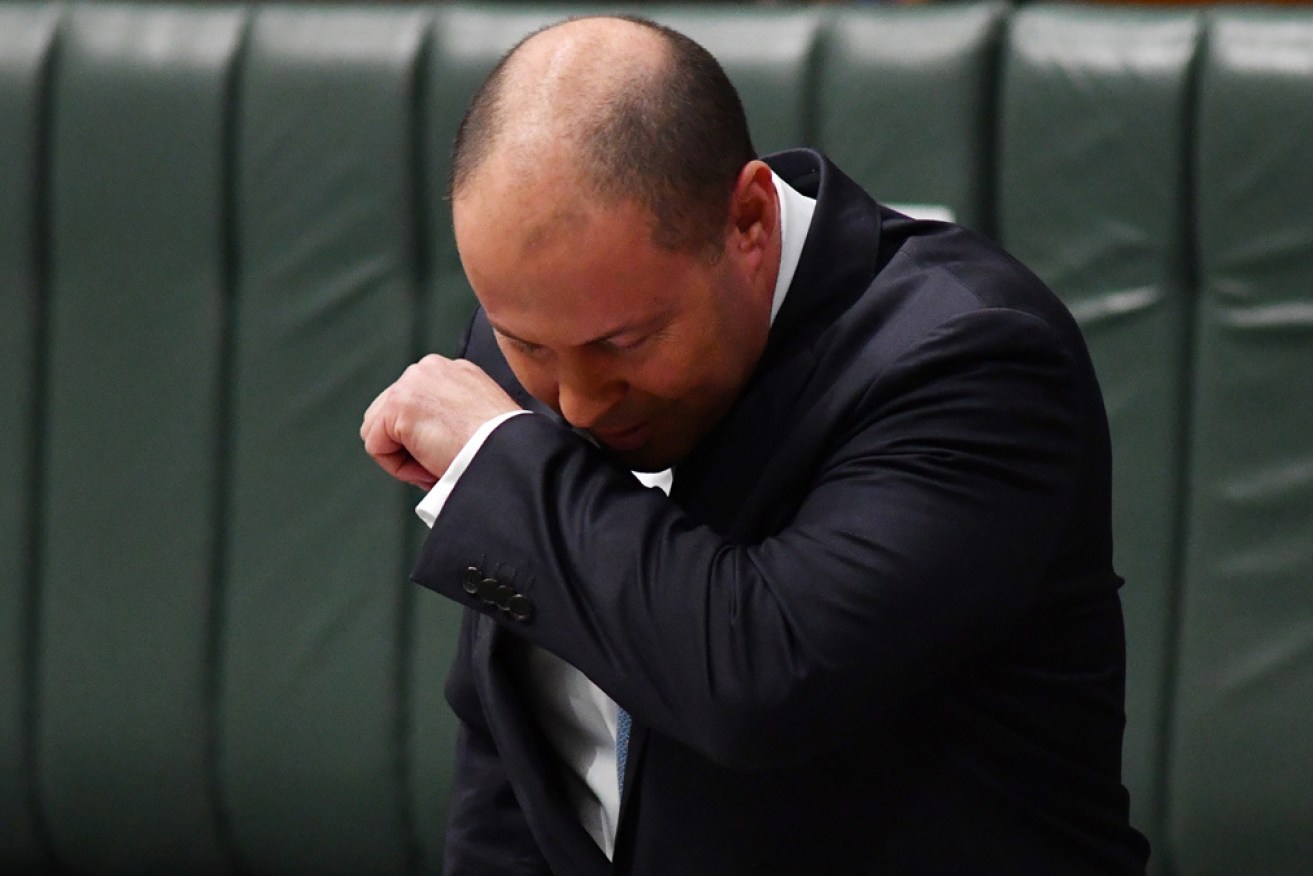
(876, 627)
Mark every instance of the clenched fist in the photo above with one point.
(417, 425)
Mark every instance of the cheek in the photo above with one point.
(686, 373)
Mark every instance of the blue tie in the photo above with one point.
(623, 723)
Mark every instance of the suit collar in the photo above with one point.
(796, 210)
(840, 255)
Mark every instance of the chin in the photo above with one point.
(663, 449)
(646, 458)
(641, 460)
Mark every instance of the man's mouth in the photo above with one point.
(623, 440)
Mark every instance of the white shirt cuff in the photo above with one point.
(431, 505)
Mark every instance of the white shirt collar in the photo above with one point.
(796, 211)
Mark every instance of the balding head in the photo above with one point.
(610, 109)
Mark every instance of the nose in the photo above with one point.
(585, 393)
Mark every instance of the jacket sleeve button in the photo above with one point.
(469, 580)
(487, 589)
(520, 607)
(503, 596)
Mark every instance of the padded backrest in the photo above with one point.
(132, 413)
(905, 104)
(208, 660)
(1242, 751)
(26, 41)
(313, 676)
(1094, 126)
(768, 55)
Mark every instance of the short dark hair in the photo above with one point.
(675, 141)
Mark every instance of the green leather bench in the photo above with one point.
(223, 229)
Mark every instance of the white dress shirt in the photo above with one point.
(578, 719)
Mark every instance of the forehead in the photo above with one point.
(521, 191)
(568, 271)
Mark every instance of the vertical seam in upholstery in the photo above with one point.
(990, 123)
(820, 23)
(421, 274)
(1191, 293)
(224, 827)
(822, 58)
(42, 262)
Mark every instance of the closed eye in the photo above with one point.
(634, 345)
(533, 351)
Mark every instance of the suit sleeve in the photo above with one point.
(929, 530)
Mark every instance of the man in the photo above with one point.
(874, 628)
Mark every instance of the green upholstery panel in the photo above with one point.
(905, 101)
(135, 378)
(1242, 750)
(1094, 118)
(224, 228)
(26, 40)
(312, 693)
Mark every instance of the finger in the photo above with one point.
(404, 467)
(379, 441)
(391, 455)
(371, 413)
(418, 475)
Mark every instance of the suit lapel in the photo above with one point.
(530, 763)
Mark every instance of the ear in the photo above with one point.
(754, 213)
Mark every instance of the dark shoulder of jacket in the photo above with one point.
(467, 334)
(993, 275)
